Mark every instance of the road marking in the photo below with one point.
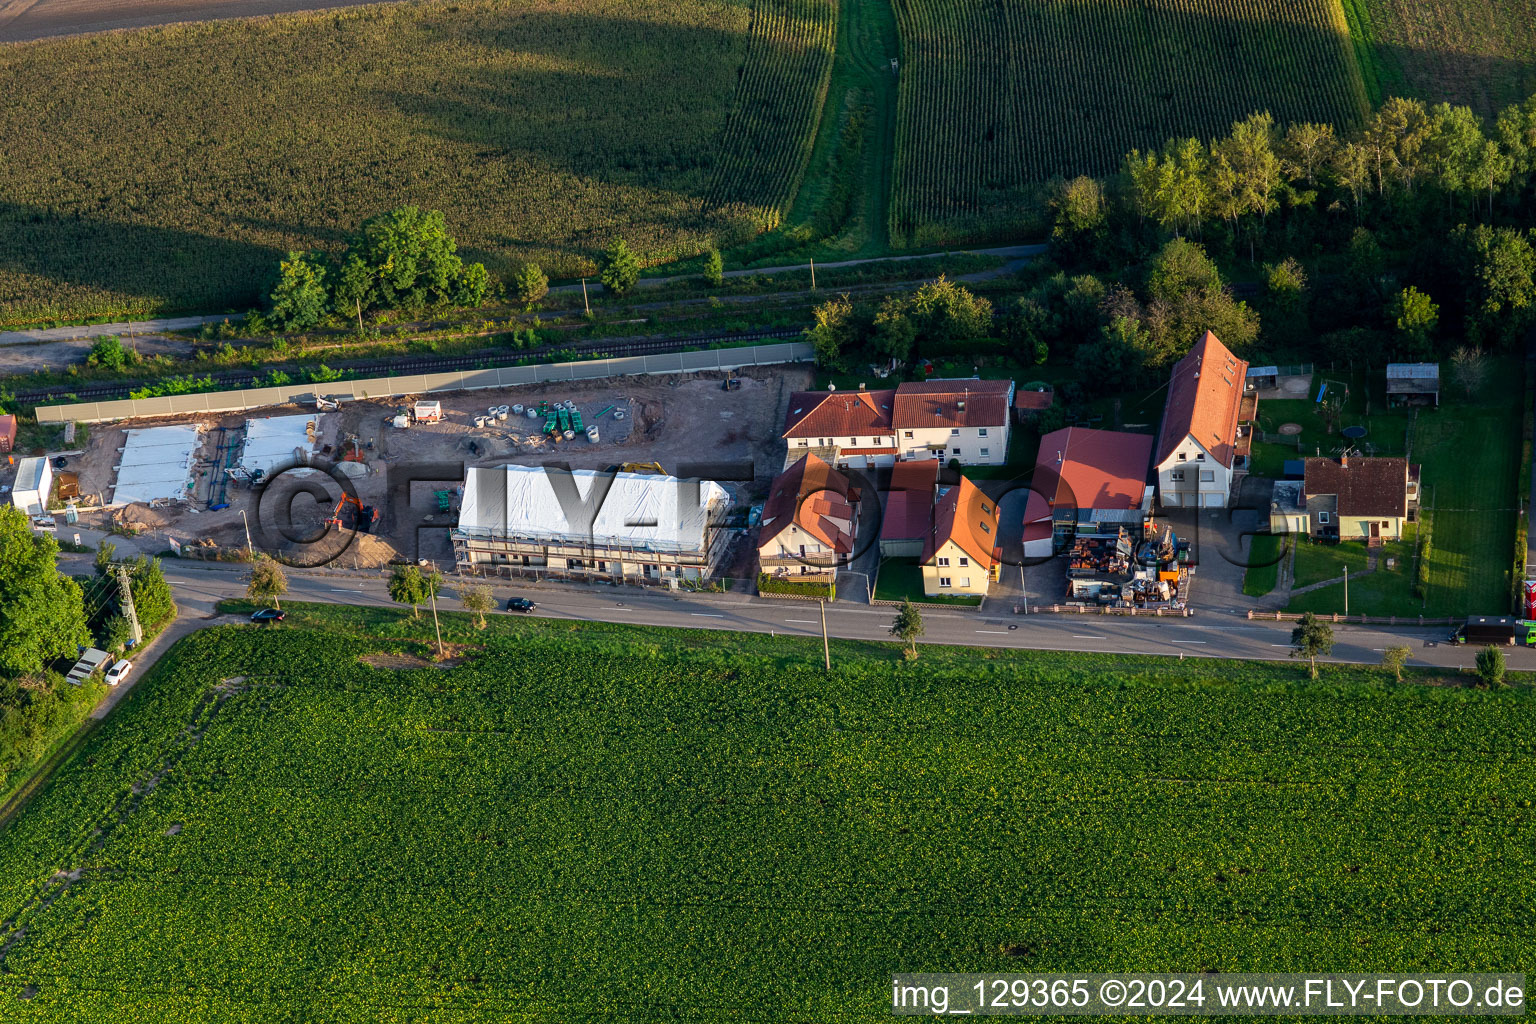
(811, 621)
(1084, 636)
(706, 615)
(344, 590)
(1282, 645)
(1187, 641)
(995, 632)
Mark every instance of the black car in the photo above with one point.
(520, 604)
(267, 615)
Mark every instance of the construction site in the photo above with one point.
(287, 477)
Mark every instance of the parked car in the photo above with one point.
(267, 615)
(520, 604)
(117, 673)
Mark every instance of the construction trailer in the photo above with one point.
(34, 483)
(427, 412)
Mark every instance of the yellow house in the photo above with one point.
(1348, 498)
(961, 555)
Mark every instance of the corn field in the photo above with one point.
(165, 169)
(791, 47)
(997, 97)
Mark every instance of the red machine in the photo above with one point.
(364, 518)
(1530, 599)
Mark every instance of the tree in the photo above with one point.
(832, 332)
(908, 627)
(1469, 370)
(714, 267)
(1490, 666)
(1306, 149)
(477, 600)
(1394, 658)
(470, 286)
(1311, 637)
(1286, 287)
(43, 615)
(894, 330)
(1025, 329)
(1456, 136)
(403, 259)
(1188, 298)
(152, 598)
(299, 298)
(945, 311)
(1118, 356)
(529, 284)
(1500, 269)
(1246, 173)
(268, 581)
(409, 585)
(1081, 214)
(618, 268)
(1415, 316)
(1352, 167)
(108, 354)
(105, 553)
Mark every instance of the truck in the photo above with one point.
(1486, 629)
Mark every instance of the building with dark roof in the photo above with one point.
(1348, 498)
(908, 515)
(1202, 447)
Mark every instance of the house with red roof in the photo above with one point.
(1086, 481)
(809, 522)
(846, 429)
(908, 515)
(961, 553)
(965, 419)
(1203, 446)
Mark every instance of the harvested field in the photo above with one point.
(1480, 54)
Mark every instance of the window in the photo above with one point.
(879, 441)
(943, 581)
(965, 581)
(805, 442)
(984, 527)
(944, 561)
(906, 433)
(981, 432)
(1176, 475)
(964, 562)
(955, 451)
(986, 509)
(1200, 456)
(1183, 457)
(1322, 517)
(1207, 476)
(954, 431)
(985, 452)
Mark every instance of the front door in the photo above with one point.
(1375, 530)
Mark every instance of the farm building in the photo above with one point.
(965, 419)
(34, 483)
(909, 509)
(1203, 446)
(1090, 480)
(626, 526)
(808, 523)
(961, 555)
(7, 433)
(1348, 498)
(1413, 384)
(847, 429)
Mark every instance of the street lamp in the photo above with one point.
(250, 551)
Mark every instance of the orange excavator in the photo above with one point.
(363, 519)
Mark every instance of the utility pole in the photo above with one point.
(125, 601)
(359, 302)
(1346, 591)
(435, 626)
(250, 550)
(1023, 589)
(813, 275)
(826, 648)
(584, 301)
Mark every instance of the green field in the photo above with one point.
(588, 821)
(164, 169)
(1481, 54)
(997, 98)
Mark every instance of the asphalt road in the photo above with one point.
(1211, 635)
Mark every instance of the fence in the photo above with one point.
(428, 383)
(1364, 620)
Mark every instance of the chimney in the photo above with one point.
(862, 386)
(1344, 460)
(1058, 458)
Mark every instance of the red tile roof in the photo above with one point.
(952, 403)
(1086, 468)
(813, 496)
(969, 518)
(1203, 398)
(839, 413)
(1033, 400)
(909, 503)
(1364, 486)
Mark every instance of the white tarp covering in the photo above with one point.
(635, 510)
(156, 462)
(271, 442)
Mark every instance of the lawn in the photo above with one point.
(901, 579)
(590, 821)
(542, 131)
(1316, 562)
(1383, 592)
(1265, 553)
(1386, 429)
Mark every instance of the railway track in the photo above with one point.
(234, 379)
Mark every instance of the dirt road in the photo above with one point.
(22, 20)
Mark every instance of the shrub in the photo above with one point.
(767, 584)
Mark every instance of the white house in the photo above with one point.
(1202, 448)
(965, 419)
(809, 522)
(847, 429)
